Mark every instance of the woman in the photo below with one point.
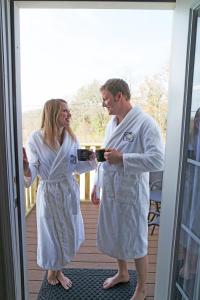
(52, 155)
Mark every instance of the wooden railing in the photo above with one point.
(85, 182)
(30, 196)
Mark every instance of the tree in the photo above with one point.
(153, 94)
(89, 117)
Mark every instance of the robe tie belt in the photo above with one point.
(71, 184)
(57, 180)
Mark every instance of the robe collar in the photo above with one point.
(117, 130)
(63, 153)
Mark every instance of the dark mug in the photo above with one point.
(83, 154)
(100, 154)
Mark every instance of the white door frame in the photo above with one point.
(12, 215)
(12, 260)
(175, 147)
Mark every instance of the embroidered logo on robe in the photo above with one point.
(128, 136)
(72, 159)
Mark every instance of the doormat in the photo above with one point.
(87, 285)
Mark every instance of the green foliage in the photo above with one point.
(88, 95)
(31, 120)
(89, 118)
(153, 98)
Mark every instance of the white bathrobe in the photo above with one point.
(60, 228)
(123, 227)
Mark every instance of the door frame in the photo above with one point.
(12, 210)
(180, 101)
(188, 92)
(12, 260)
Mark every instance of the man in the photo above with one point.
(133, 149)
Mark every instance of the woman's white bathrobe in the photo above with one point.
(123, 227)
(60, 228)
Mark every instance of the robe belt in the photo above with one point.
(57, 180)
(70, 185)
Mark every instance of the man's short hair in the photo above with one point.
(116, 85)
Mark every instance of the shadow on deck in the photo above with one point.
(88, 256)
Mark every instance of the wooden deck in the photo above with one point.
(88, 256)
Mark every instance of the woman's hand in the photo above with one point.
(95, 200)
(26, 168)
(92, 156)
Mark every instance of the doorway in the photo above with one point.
(15, 10)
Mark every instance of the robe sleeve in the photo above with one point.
(152, 158)
(33, 161)
(84, 166)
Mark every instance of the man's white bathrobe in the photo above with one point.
(123, 227)
(60, 228)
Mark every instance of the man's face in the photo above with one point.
(109, 101)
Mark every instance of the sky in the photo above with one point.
(62, 50)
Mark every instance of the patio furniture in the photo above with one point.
(155, 183)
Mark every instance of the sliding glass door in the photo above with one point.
(13, 279)
(187, 281)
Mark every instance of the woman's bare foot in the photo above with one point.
(66, 282)
(140, 293)
(52, 277)
(112, 281)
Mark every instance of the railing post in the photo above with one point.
(30, 196)
(87, 183)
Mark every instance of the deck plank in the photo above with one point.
(88, 256)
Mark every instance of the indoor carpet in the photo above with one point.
(87, 285)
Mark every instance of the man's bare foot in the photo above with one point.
(66, 282)
(112, 281)
(139, 294)
(51, 277)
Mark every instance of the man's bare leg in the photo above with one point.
(51, 277)
(141, 265)
(121, 276)
(65, 281)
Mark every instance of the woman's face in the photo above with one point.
(64, 116)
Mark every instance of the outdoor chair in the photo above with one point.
(155, 184)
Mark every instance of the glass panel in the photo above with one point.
(191, 200)
(179, 297)
(187, 273)
(187, 264)
(196, 78)
(195, 108)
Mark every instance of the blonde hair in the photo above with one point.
(49, 124)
